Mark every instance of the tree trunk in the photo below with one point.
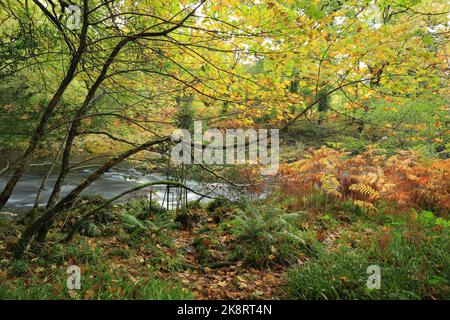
(24, 162)
(42, 224)
(84, 108)
(65, 165)
(45, 221)
(49, 216)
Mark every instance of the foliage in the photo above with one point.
(144, 209)
(404, 178)
(98, 287)
(266, 235)
(413, 258)
(18, 268)
(367, 76)
(218, 204)
(138, 228)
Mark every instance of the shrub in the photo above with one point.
(90, 229)
(217, 204)
(137, 229)
(194, 204)
(266, 234)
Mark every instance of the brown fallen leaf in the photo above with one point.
(222, 283)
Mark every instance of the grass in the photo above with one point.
(412, 254)
(97, 284)
(120, 264)
(322, 247)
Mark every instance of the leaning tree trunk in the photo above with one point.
(65, 165)
(24, 162)
(44, 180)
(48, 217)
(101, 77)
(43, 224)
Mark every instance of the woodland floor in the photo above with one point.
(217, 258)
(233, 281)
(177, 263)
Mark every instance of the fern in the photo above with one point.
(366, 205)
(404, 178)
(269, 233)
(131, 222)
(365, 190)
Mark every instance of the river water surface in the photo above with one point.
(108, 185)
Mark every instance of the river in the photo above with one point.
(108, 185)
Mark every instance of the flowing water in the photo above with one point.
(111, 184)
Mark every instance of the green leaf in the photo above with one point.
(428, 40)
